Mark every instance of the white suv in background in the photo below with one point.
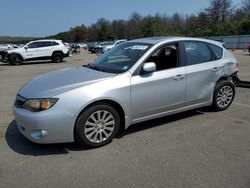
(55, 50)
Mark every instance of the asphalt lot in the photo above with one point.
(198, 148)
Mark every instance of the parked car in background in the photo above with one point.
(249, 49)
(99, 46)
(5, 47)
(84, 46)
(3, 51)
(75, 48)
(109, 45)
(133, 82)
(91, 47)
(55, 50)
(3, 55)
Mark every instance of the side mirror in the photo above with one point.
(149, 67)
(25, 47)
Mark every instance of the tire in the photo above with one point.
(15, 59)
(1, 57)
(97, 125)
(57, 57)
(223, 95)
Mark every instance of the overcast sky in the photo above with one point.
(40, 18)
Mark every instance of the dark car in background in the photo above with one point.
(92, 46)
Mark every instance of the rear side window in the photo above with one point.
(54, 43)
(217, 51)
(197, 52)
(45, 44)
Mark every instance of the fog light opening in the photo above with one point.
(38, 134)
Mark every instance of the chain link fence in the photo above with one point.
(234, 42)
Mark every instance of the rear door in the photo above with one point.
(202, 72)
(45, 49)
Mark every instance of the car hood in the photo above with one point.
(15, 50)
(54, 83)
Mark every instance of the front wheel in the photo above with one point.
(15, 59)
(97, 125)
(223, 95)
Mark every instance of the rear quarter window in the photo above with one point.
(217, 51)
(54, 43)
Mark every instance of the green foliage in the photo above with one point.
(105, 31)
(244, 26)
(15, 40)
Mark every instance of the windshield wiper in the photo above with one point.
(91, 66)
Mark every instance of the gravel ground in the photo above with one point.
(198, 148)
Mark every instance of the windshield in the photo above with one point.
(121, 58)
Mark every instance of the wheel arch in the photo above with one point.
(57, 51)
(16, 54)
(226, 77)
(111, 102)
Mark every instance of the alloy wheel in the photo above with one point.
(224, 96)
(99, 126)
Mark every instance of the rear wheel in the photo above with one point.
(97, 125)
(15, 59)
(57, 57)
(223, 95)
(1, 57)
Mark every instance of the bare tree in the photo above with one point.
(219, 10)
(246, 7)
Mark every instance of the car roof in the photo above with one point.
(46, 40)
(156, 40)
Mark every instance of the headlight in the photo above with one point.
(36, 105)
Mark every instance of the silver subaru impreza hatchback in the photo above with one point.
(136, 81)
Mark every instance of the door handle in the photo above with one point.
(179, 77)
(215, 69)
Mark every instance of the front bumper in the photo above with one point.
(4, 56)
(66, 55)
(50, 126)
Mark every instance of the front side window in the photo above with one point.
(121, 58)
(197, 52)
(165, 57)
(34, 45)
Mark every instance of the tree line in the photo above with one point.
(220, 18)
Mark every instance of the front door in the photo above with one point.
(32, 50)
(159, 92)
